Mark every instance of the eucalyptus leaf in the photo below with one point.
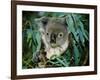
(29, 34)
(38, 39)
(71, 26)
(81, 37)
(60, 61)
(86, 35)
(76, 54)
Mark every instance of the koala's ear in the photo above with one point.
(43, 21)
(64, 21)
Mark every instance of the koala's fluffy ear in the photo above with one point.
(44, 20)
(62, 20)
(41, 21)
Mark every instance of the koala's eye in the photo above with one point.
(47, 33)
(60, 35)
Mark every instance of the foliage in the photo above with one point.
(78, 51)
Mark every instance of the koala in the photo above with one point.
(55, 35)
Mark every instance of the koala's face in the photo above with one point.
(56, 33)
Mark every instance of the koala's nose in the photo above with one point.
(53, 38)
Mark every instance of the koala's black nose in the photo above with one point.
(53, 38)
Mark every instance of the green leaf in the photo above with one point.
(30, 43)
(29, 34)
(33, 49)
(81, 37)
(66, 61)
(86, 35)
(38, 39)
(68, 56)
(71, 26)
(60, 61)
(76, 54)
(81, 25)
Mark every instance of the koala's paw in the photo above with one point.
(36, 57)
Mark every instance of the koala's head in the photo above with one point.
(55, 30)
